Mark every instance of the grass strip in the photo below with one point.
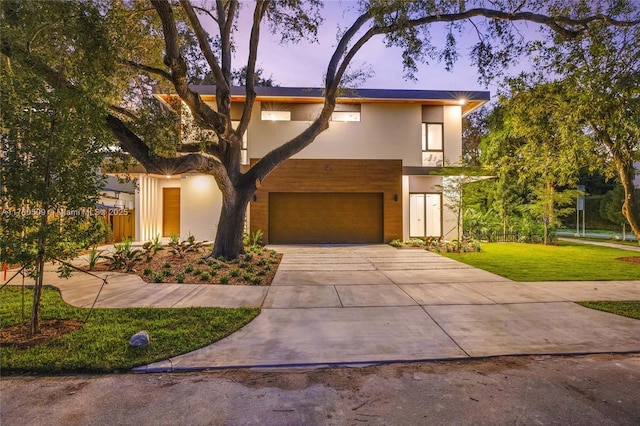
(563, 262)
(629, 309)
(102, 344)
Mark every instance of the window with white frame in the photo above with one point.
(345, 116)
(267, 115)
(425, 215)
(432, 144)
(244, 151)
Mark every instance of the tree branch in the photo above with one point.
(258, 14)
(206, 116)
(205, 11)
(132, 144)
(342, 48)
(152, 70)
(556, 23)
(123, 111)
(203, 41)
(197, 148)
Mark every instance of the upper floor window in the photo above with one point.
(268, 115)
(244, 152)
(345, 116)
(432, 145)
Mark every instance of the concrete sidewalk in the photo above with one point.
(601, 243)
(367, 304)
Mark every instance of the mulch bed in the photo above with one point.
(249, 266)
(18, 335)
(632, 259)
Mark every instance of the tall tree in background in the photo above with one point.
(525, 143)
(473, 129)
(167, 46)
(601, 70)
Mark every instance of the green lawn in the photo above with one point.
(562, 262)
(102, 344)
(627, 309)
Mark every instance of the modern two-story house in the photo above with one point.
(369, 178)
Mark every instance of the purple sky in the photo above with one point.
(304, 64)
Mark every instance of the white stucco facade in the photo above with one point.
(385, 130)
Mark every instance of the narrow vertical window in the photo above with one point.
(432, 145)
(244, 150)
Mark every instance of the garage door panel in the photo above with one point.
(325, 218)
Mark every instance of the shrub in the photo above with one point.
(152, 247)
(253, 240)
(262, 262)
(147, 271)
(224, 279)
(125, 256)
(180, 278)
(196, 271)
(396, 243)
(205, 276)
(188, 268)
(167, 272)
(201, 261)
(416, 242)
(180, 248)
(158, 277)
(235, 272)
(166, 265)
(256, 281)
(94, 256)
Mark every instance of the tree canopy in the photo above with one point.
(167, 46)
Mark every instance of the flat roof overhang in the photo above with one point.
(468, 100)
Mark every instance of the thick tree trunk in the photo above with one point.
(230, 231)
(630, 205)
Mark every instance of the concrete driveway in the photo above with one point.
(368, 304)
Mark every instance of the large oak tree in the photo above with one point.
(170, 44)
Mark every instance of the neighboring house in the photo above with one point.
(366, 179)
(117, 206)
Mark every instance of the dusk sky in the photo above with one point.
(304, 64)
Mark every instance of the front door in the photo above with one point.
(170, 212)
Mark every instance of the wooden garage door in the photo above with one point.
(170, 212)
(325, 218)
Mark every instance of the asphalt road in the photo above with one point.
(580, 390)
